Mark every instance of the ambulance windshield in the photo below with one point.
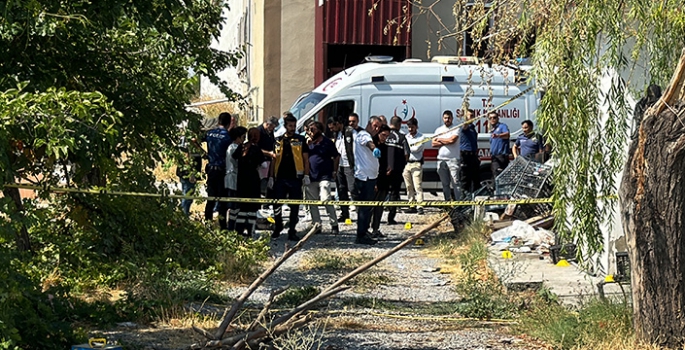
(305, 103)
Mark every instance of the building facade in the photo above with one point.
(291, 46)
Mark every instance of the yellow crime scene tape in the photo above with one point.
(57, 189)
(474, 119)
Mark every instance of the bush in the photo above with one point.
(84, 243)
(30, 318)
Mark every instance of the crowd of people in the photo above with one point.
(342, 160)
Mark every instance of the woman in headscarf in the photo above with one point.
(249, 156)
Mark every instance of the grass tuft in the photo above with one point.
(333, 260)
(296, 296)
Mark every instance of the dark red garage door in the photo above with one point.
(349, 30)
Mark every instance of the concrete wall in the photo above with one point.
(297, 51)
(230, 39)
(426, 30)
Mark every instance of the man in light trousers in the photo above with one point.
(413, 171)
(448, 156)
(323, 163)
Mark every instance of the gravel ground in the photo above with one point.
(412, 279)
(414, 276)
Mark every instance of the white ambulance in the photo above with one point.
(423, 90)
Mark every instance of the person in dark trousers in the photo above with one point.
(470, 162)
(350, 131)
(266, 144)
(217, 141)
(344, 175)
(499, 144)
(288, 172)
(383, 181)
(365, 174)
(188, 170)
(398, 155)
(323, 163)
(250, 157)
(237, 134)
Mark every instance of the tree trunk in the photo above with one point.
(653, 210)
(21, 237)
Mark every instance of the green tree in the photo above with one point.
(91, 94)
(575, 44)
(88, 84)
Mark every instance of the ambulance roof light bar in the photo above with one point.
(455, 60)
(379, 59)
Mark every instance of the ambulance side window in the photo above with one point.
(338, 109)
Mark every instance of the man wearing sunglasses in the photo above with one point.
(499, 144)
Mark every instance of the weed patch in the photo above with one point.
(241, 259)
(465, 254)
(594, 323)
(296, 296)
(369, 280)
(483, 296)
(333, 260)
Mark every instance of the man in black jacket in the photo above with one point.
(398, 154)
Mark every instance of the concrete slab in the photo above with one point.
(571, 284)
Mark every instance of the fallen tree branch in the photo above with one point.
(383, 256)
(254, 343)
(241, 300)
(294, 318)
(285, 319)
(266, 307)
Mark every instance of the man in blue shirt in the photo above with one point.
(529, 144)
(218, 141)
(470, 162)
(499, 144)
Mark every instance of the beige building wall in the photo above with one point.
(256, 60)
(297, 50)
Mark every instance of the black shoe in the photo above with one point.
(292, 236)
(365, 240)
(277, 231)
(392, 222)
(411, 211)
(376, 234)
(335, 230)
(420, 211)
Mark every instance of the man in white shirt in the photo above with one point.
(413, 171)
(448, 156)
(365, 173)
